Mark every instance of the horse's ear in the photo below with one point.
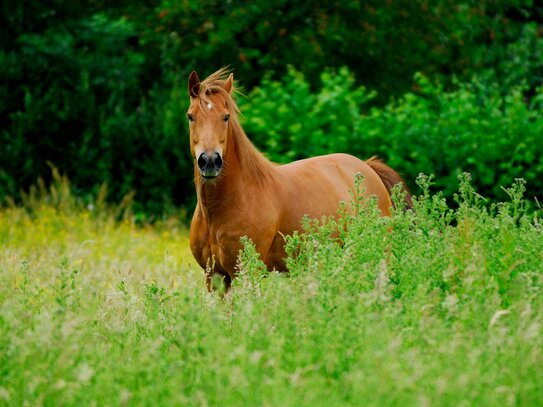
(194, 85)
(229, 83)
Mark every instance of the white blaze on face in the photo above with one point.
(210, 106)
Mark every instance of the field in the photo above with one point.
(441, 307)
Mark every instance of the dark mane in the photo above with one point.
(251, 160)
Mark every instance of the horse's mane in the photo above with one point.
(251, 160)
(213, 84)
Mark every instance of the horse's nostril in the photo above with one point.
(202, 161)
(217, 161)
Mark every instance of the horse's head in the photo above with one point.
(211, 106)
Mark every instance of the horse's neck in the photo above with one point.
(209, 197)
(213, 196)
(255, 168)
(241, 176)
(216, 196)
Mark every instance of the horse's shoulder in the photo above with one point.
(197, 220)
(199, 235)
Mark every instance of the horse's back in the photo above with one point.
(320, 183)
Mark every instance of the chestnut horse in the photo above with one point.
(241, 193)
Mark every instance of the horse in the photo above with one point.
(242, 193)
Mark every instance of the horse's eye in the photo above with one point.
(226, 118)
(190, 117)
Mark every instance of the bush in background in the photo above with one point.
(496, 137)
(97, 89)
(84, 110)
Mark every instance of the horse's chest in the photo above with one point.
(220, 242)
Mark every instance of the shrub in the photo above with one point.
(475, 128)
(97, 89)
(78, 104)
(409, 310)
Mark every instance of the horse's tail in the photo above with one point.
(390, 178)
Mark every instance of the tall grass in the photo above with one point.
(431, 307)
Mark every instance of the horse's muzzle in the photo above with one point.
(209, 165)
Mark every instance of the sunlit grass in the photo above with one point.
(49, 238)
(441, 307)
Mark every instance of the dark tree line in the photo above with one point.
(97, 88)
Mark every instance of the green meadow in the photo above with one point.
(442, 306)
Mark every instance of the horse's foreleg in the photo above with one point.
(217, 279)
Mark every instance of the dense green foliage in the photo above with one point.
(80, 106)
(497, 138)
(409, 310)
(98, 89)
